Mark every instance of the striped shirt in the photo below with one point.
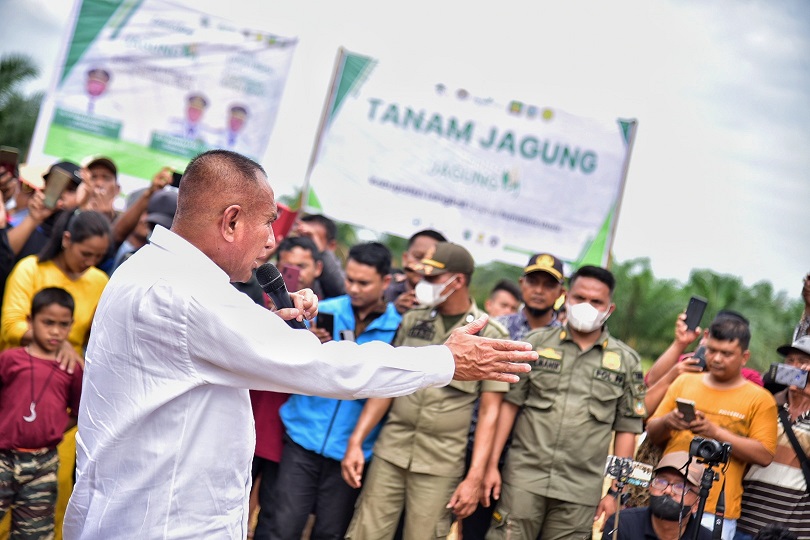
(778, 493)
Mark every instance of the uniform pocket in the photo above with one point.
(603, 400)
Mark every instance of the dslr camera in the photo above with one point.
(709, 451)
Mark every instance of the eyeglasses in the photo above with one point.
(678, 488)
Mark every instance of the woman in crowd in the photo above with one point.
(79, 241)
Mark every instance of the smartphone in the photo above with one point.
(687, 408)
(700, 356)
(57, 181)
(285, 221)
(176, 177)
(788, 375)
(291, 276)
(9, 159)
(694, 311)
(326, 321)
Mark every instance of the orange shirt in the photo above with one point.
(747, 410)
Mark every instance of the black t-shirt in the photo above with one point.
(636, 524)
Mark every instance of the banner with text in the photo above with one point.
(152, 83)
(504, 179)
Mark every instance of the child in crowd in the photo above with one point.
(35, 396)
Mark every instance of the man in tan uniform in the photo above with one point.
(585, 386)
(419, 457)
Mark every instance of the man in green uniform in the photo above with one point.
(585, 386)
(419, 457)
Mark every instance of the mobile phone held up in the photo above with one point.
(176, 177)
(700, 356)
(687, 409)
(694, 311)
(291, 276)
(326, 321)
(58, 180)
(9, 159)
(788, 375)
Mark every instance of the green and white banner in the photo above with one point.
(151, 83)
(504, 179)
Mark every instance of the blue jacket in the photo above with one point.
(324, 425)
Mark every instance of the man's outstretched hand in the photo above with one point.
(478, 358)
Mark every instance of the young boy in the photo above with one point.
(35, 396)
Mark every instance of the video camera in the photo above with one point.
(709, 451)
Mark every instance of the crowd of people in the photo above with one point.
(374, 439)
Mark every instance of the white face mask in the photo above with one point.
(586, 318)
(430, 294)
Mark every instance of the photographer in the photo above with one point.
(778, 493)
(728, 409)
(673, 502)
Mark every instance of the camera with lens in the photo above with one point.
(710, 451)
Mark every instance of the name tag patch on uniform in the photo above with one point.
(606, 375)
(423, 330)
(611, 360)
(549, 360)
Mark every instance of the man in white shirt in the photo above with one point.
(165, 427)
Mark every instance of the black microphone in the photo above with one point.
(272, 283)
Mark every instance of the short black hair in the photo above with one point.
(49, 296)
(731, 314)
(328, 225)
(730, 329)
(596, 272)
(430, 233)
(372, 254)
(303, 242)
(508, 286)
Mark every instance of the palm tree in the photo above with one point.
(18, 112)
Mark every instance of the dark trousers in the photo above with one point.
(310, 483)
(269, 471)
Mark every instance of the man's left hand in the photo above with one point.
(305, 304)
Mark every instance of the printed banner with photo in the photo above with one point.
(152, 83)
(504, 179)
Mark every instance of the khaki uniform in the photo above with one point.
(419, 455)
(571, 403)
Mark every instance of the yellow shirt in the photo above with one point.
(748, 411)
(29, 277)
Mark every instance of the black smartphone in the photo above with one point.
(700, 356)
(326, 321)
(694, 311)
(9, 159)
(176, 177)
(788, 375)
(687, 408)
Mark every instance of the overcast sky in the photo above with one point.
(720, 172)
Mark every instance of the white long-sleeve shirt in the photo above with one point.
(166, 432)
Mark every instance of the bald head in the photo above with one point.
(215, 180)
(225, 207)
